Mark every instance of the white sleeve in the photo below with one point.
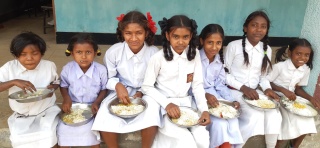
(229, 57)
(305, 79)
(274, 73)
(150, 78)
(4, 73)
(197, 85)
(109, 61)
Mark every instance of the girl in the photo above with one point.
(126, 63)
(222, 132)
(32, 124)
(287, 78)
(82, 80)
(247, 60)
(170, 74)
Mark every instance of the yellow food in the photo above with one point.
(130, 109)
(299, 105)
(74, 117)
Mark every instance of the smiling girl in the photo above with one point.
(126, 63)
(287, 78)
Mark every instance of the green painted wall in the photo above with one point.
(99, 16)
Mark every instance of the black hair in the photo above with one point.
(209, 30)
(23, 39)
(175, 22)
(135, 17)
(281, 52)
(79, 39)
(265, 40)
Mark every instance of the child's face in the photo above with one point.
(84, 55)
(300, 55)
(179, 39)
(30, 57)
(134, 35)
(212, 45)
(256, 29)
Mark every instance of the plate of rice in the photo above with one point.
(27, 96)
(300, 106)
(188, 117)
(224, 110)
(80, 114)
(264, 103)
(136, 107)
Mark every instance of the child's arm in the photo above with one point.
(300, 92)
(148, 88)
(24, 85)
(289, 94)
(67, 102)
(95, 105)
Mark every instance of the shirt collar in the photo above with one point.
(258, 47)
(23, 69)
(79, 72)
(176, 55)
(204, 57)
(130, 54)
(292, 67)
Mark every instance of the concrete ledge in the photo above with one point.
(4, 138)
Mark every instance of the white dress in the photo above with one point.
(251, 121)
(286, 75)
(166, 82)
(128, 68)
(32, 124)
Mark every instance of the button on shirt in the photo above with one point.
(84, 87)
(168, 79)
(214, 77)
(286, 75)
(126, 67)
(242, 74)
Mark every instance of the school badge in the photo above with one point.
(189, 77)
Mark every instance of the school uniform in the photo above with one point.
(32, 124)
(286, 75)
(220, 130)
(82, 88)
(251, 121)
(127, 68)
(166, 82)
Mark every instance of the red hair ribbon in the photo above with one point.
(120, 17)
(151, 23)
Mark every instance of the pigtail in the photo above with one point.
(67, 52)
(265, 61)
(245, 54)
(309, 63)
(193, 42)
(165, 43)
(281, 52)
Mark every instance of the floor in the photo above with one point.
(56, 54)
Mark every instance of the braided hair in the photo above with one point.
(82, 38)
(281, 52)
(139, 18)
(265, 60)
(178, 21)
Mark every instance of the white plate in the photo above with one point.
(300, 106)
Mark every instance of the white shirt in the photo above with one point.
(44, 74)
(241, 74)
(168, 79)
(126, 67)
(286, 75)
